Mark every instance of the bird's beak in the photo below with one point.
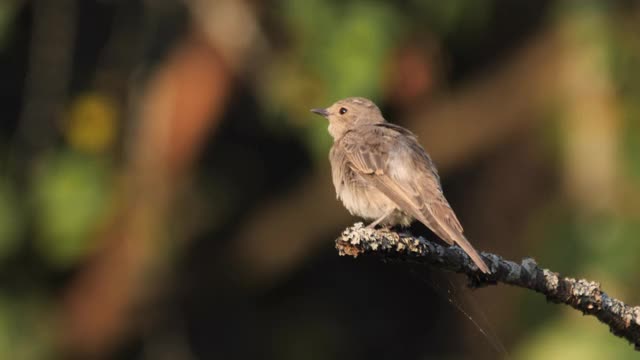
(321, 112)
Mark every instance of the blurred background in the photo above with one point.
(165, 192)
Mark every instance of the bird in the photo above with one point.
(381, 172)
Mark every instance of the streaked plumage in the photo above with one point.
(381, 172)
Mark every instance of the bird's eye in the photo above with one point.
(343, 111)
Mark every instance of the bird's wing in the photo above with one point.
(398, 167)
(390, 158)
(367, 153)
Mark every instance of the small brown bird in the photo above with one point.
(381, 172)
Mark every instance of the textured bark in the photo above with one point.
(580, 294)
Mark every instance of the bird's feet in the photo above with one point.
(380, 220)
(383, 228)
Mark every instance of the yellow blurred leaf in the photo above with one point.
(91, 125)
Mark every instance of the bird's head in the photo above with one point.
(348, 113)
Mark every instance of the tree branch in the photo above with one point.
(581, 294)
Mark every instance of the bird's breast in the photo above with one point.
(360, 198)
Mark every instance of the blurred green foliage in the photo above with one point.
(631, 143)
(26, 328)
(610, 238)
(71, 195)
(602, 242)
(341, 49)
(457, 17)
(11, 219)
(8, 9)
(336, 49)
(571, 336)
(625, 57)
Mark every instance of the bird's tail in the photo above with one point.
(452, 233)
(473, 254)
